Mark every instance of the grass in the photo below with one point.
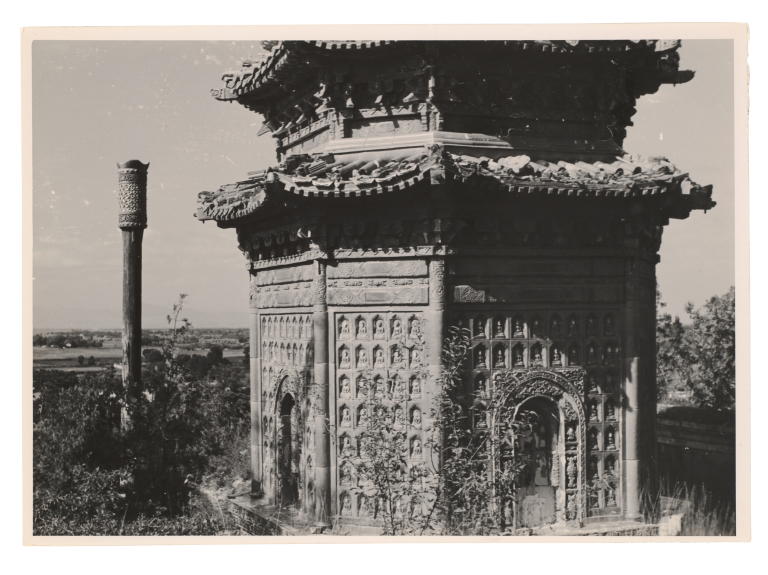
(708, 516)
(703, 514)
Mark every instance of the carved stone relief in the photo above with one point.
(378, 269)
(378, 366)
(482, 292)
(294, 294)
(507, 340)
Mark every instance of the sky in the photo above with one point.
(98, 103)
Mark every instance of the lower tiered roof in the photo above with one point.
(326, 176)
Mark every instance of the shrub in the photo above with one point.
(453, 492)
(93, 477)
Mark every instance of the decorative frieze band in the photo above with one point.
(474, 294)
(380, 269)
(295, 294)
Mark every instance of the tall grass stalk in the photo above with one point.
(702, 513)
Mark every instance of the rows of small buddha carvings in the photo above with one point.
(380, 374)
(286, 341)
(505, 340)
(287, 356)
(286, 359)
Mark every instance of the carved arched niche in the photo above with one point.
(285, 473)
(560, 391)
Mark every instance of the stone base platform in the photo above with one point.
(619, 528)
(273, 520)
(287, 521)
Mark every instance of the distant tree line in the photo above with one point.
(199, 366)
(65, 340)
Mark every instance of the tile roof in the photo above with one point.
(286, 55)
(323, 176)
(254, 75)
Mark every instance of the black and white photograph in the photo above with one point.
(325, 289)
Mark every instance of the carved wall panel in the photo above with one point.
(384, 126)
(483, 292)
(304, 142)
(384, 291)
(380, 269)
(379, 362)
(286, 364)
(298, 273)
(292, 294)
(504, 339)
(286, 342)
(511, 267)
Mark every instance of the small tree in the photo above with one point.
(152, 355)
(403, 491)
(215, 355)
(168, 425)
(669, 338)
(480, 467)
(701, 355)
(708, 353)
(469, 486)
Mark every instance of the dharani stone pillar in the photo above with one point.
(257, 458)
(321, 416)
(132, 220)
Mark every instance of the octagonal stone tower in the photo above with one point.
(436, 183)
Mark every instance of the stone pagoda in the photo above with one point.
(425, 184)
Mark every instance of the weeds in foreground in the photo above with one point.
(702, 514)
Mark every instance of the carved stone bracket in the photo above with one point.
(309, 255)
(437, 283)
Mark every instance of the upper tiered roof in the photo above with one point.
(575, 97)
(256, 81)
(541, 119)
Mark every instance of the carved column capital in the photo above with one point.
(132, 194)
(437, 286)
(319, 286)
(253, 291)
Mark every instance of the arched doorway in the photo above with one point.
(548, 445)
(288, 451)
(538, 442)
